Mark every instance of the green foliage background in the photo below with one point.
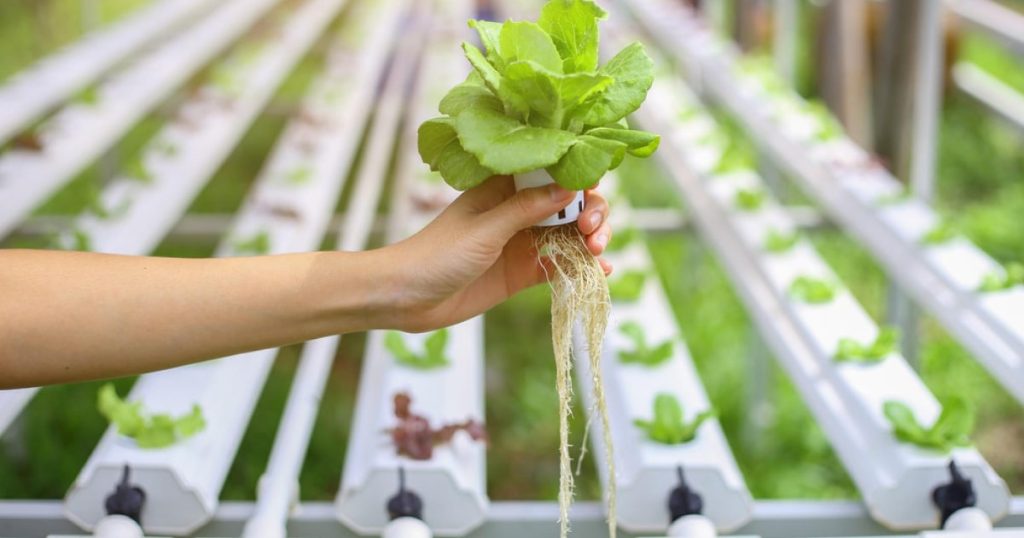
(782, 451)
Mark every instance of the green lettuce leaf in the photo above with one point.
(638, 143)
(439, 147)
(633, 72)
(507, 146)
(528, 42)
(470, 94)
(586, 161)
(572, 25)
(490, 33)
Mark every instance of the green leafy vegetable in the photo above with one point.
(256, 244)
(136, 170)
(749, 199)
(153, 431)
(894, 198)
(300, 175)
(642, 353)
(433, 355)
(850, 350)
(538, 100)
(627, 287)
(738, 156)
(943, 232)
(829, 127)
(952, 429)
(668, 425)
(813, 290)
(1012, 275)
(89, 96)
(777, 242)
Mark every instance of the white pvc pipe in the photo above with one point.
(693, 526)
(968, 519)
(927, 99)
(117, 527)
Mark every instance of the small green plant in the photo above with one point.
(89, 96)
(813, 290)
(850, 350)
(668, 425)
(627, 287)
(829, 127)
(136, 170)
(894, 198)
(737, 157)
(80, 241)
(1012, 275)
(622, 239)
(642, 353)
(255, 244)
(952, 429)
(778, 242)
(943, 232)
(300, 175)
(749, 199)
(433, 355)
(152, 431)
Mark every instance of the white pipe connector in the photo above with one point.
(693, 526)
(407, 527)
(968, 519)
(117, 527)
(540, 178)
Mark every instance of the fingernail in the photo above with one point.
(595, 220)
(558, 193)
(602, 239)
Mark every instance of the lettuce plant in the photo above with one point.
(136, 170)
(148, 431)
(738, 156)
(749, 199)
(668, 426)
(300, 175)
(255, 244)
(538, 99)
(1012, 276)
(952, 429)
(627, 287)
(894, 198)
(813, 290)
(642, 353)
(829, 127)
(850, 350)
(777, 242)
(433, 355)
(943, 232)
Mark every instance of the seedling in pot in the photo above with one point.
(737, 157)
(136, 170)
(433, 355)
(1012, 276)
(148, 431)
(813, 290)
(885, 344)
(668, 426)
(627, 287)
(414, 437)
(749, 199)
(256, 244)
(641, 353)
(778, 242)
(943, 232)
(952, 429)
(89, 96)
(299, 175)
(538, 107)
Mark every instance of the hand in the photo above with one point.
(480, 251)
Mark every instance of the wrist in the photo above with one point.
(364, 291)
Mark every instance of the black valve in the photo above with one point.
(957, 494)
(126, 500)
(405, 503)
(684, 501)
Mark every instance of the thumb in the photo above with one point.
(524, 209)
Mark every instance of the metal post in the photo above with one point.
(928, 82)
(787, 20)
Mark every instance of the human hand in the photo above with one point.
(480, 251)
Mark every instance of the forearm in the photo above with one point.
(74, 316)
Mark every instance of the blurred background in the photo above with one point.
(780, 448)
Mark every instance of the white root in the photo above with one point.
(579, 293)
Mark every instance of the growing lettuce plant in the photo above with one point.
(642, 353)
(952, 429)
(749, 199)
(537, 99)
(668, 426)
(627, 287)
(256, 244)
(1012, 275)
(943, 232)
(850, 350)
(777, 242)
(813, 290)
(148, 431)
(433, 355)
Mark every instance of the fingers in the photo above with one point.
(523, 210)
(605, 266)
(595, 212)
(598, 241)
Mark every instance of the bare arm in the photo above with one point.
(68, 316)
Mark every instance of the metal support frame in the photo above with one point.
(999, 98)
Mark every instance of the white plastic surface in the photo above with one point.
(407, 527)
(11, 403)
(32, 92)
(540, 178)
(117, 527)
(968, 519)
(692, 527)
